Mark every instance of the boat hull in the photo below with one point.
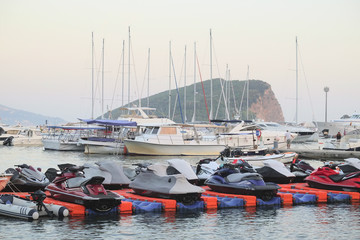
(265, 192)
(62, 146)
(147, 148)
(101, 147)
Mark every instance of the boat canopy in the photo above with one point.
(110, 122)
(76, 127)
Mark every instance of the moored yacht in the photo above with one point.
(252, 136)
(66, 138)
(173, 140)
(303, 134)
(20, 136)
(108, 140)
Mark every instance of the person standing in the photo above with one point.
(338, 136)
(288, 138)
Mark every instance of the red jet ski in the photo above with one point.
(72, 186)
(327, 178)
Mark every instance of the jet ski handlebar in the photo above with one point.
(22, 166)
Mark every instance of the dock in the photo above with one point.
(324, 154)
(289, 195)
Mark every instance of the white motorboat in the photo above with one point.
(258, 160)
(66, 138)
(349, 142)
(20, 136)
(252, 136)
(108, 140)
(342, 125)
(303, 134)
(173, 140)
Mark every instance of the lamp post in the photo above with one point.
(326, 90)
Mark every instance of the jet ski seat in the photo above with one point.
(341, 177)
(75, 182)
(237, 177)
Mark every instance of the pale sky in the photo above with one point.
(45, 51)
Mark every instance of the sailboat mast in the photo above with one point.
(226, 90)
(123, 74)
(92, 75)
(194, 113)
(297, 99)
(129, 71)
(170, 80)
(185, 86)
(247, 95)
(148, 87)
(103, 63)
(211, 80)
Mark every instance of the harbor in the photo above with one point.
(139, 216)
(179, 120)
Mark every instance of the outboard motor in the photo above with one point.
(39, 197)
(8, 141)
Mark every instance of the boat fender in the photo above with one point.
(57, 210)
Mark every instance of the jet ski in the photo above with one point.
(175, 166)
(159, 180)
(300, 169)
(276, 172)
(242, 179)
(350, 165)
(131, 173)
(25, 178)
(71, 185)
(328, 178)
(205, 168)
(112, 172)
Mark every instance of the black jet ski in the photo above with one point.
(242, 179)
(300, 169)
(205, 168)
(276, 172)
(158, 180)
(350, 165)
(26, 178)
(71, 185)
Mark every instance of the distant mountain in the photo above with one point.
(262, 102)
(12, 116)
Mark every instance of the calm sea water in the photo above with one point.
(329, 221)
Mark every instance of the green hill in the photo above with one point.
(160, 101)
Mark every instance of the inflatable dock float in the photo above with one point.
(288, 195)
